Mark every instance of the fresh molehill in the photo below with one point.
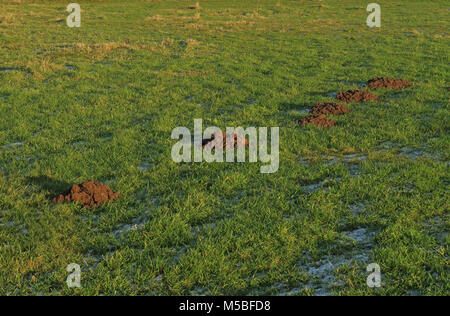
(329, 108)
(388, 83)
(318, 120)
(356, 96)
(89, 194)
(226, 141)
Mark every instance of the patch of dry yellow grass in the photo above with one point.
(154, 18)
(167, 42)
(7, 19)
(184, 73)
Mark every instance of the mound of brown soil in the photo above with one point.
(89, 194)
(227, 141)
(356, 96)
(388, 83)
(329, 108)
(318, 120)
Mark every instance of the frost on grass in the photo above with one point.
(347, 159)
(300, 112)
(351, 161)
(201, 229)
(358, 208)
(333, 94)
(438, 228)
(323, 272)
(6, 70)
(146, 165)
(413, 154)
(134, 225)
(16, 228)
(309, 188)
(406, 152)
(200, 291)
(12, 146)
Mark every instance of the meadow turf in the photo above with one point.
(100, 102)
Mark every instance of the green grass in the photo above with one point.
(141, 68)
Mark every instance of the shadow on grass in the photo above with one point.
(295, 106)
(52, 186)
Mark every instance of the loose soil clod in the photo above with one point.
(227, 141)
(356, 96)
(89, 194)
(329, 108)
(388, 83)
(318, 120)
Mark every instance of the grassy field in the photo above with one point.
(100, 102)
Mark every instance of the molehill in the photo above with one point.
(89, 194)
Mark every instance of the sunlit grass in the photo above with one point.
(100, 102)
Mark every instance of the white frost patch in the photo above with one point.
(413, 154)
(300, 112)
(322, 271)
(8, 69)
(407, 152)
(199, 291)
(357, 209)
(362, 236)
(316, 186)
(351, 158)
(332, 94)
(12, 145)
(197, 230)
(351, 161)
(438, 228)
(135, 225)
(146, 165)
